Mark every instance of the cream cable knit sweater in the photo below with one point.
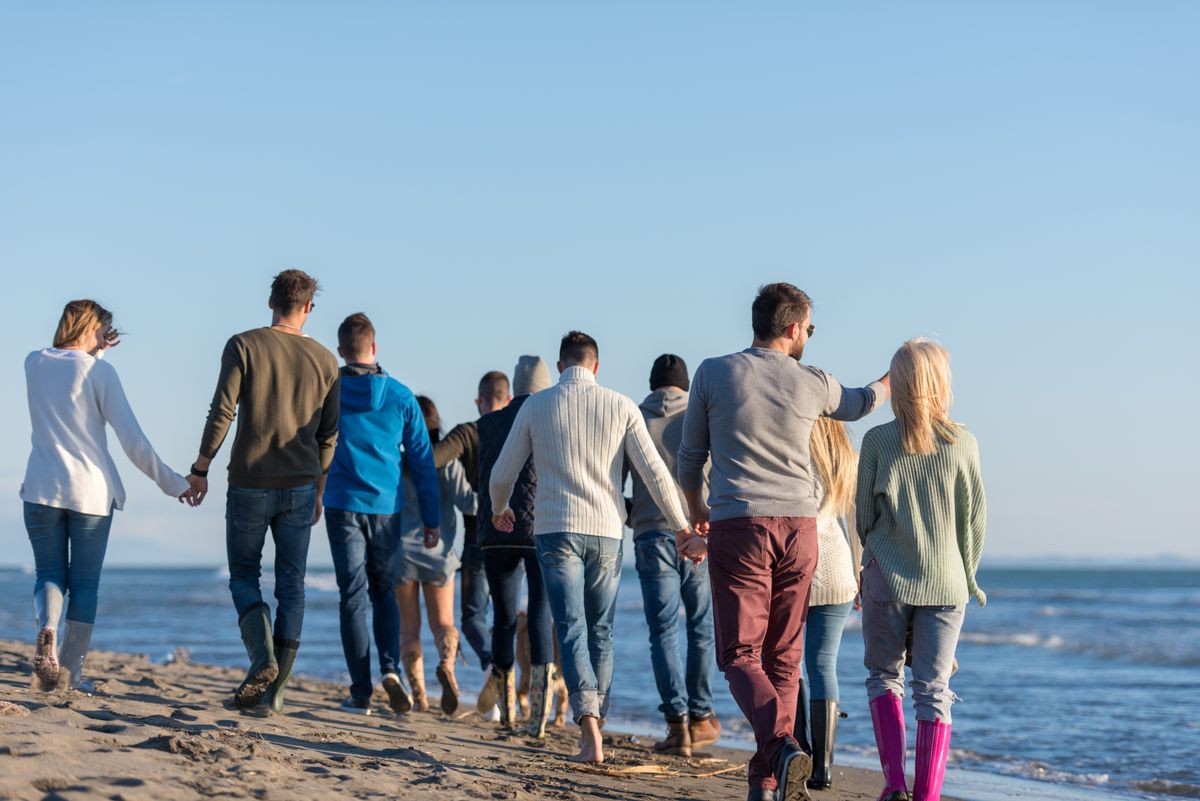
(579, 434)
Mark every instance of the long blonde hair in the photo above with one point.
(837, 465)
(921, 395)
(80, 318)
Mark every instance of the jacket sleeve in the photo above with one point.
(452, 446)
(971, 520)
(225, 399)
(518, 447)
(119, 414)
(864, 496)
(852, 403)
(692, 459)
(640, 450)
(461, 495)
(327, 427)
(418, 456)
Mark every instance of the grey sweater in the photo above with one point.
(663, 410)
(754, 412)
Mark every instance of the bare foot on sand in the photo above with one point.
(591, 745)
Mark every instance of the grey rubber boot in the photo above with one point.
(255, 626)
(75, 644)
(285, 652)
(541, 699)
(47, 609)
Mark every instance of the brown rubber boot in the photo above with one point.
(414, 665)
(704, 731)
(679, 738)
(447, 645)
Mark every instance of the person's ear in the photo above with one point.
(271, 304)
(595, 367)
(560, 367)
(342, 353)
(374, 350)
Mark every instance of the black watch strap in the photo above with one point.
(196, 471)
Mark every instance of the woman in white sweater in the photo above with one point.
(834, 587)
(71, 484)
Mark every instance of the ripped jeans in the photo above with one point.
(581, 573)
(885, 625)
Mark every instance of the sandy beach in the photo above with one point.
(169, 731)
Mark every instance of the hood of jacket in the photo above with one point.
(364, 387)
(665, 402)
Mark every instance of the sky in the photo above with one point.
(1018, 180)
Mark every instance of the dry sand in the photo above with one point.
(170, 732)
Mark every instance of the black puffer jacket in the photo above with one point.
(493, 431)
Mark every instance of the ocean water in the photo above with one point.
(1073, 683)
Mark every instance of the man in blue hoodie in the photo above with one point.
(363, 496)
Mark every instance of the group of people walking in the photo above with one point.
(753, 519)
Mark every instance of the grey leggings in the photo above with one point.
(885, 624)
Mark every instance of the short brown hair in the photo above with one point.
(493, 385)
(356, 334)
(578, 348)
(80, 318)
(776, 307)
(291, 290)
(433, 420)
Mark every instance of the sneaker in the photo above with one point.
(356, 706)
(399, 698)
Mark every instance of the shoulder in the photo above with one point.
(810, 373)
(887, 433)
(965, 442)
(399, 390)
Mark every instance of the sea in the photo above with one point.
(1073, 683)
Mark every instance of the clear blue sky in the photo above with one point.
(1020, 180)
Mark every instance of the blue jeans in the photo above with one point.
(362, 547)
(822, 640)
(935, 630)
(288, 513)
(504, 569)
(582, 573)
(669, 582)
(68, 552)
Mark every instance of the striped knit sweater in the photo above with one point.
(579, 434)
(922, 516)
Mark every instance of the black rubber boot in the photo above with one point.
(255, 626)
(800, 727)
(285, 650)
(824, 719)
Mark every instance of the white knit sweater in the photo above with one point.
(835, 580)
(72, 396)
(579, 434)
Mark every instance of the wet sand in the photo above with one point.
(155, 731)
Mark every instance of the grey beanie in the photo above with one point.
(530, 375)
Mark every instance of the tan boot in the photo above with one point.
(705, 731)
(489, 694)
(678, 740)
(414, 665)
(447, 645)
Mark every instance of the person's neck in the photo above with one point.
(289, 325)
(782, 345)
(669, 388)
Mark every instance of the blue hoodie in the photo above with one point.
(378, 416)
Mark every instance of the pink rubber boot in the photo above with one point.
(933, 746)
(887, 717)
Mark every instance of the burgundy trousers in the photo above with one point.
(761, 571)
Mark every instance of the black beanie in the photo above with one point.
(669, 370)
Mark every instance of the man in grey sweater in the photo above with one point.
(753, 411)
(670, 582)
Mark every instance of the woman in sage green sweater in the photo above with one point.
(921, 511)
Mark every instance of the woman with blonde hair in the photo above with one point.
(834, 588)
(921, 512)
(71, 484)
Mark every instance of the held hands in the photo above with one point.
(432, 537)
(699, 516)
(505, 520)
(197, 489)
(690, 545)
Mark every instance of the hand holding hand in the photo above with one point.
(199, 489)
(432, 537)
(699, 518)
(505, 520)
(691, 545)
(189, 497)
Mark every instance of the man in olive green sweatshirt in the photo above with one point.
(283, 387)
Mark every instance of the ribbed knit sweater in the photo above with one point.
(579, 434)
(922, 516)
(835, 581)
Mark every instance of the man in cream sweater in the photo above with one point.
(579, 435)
